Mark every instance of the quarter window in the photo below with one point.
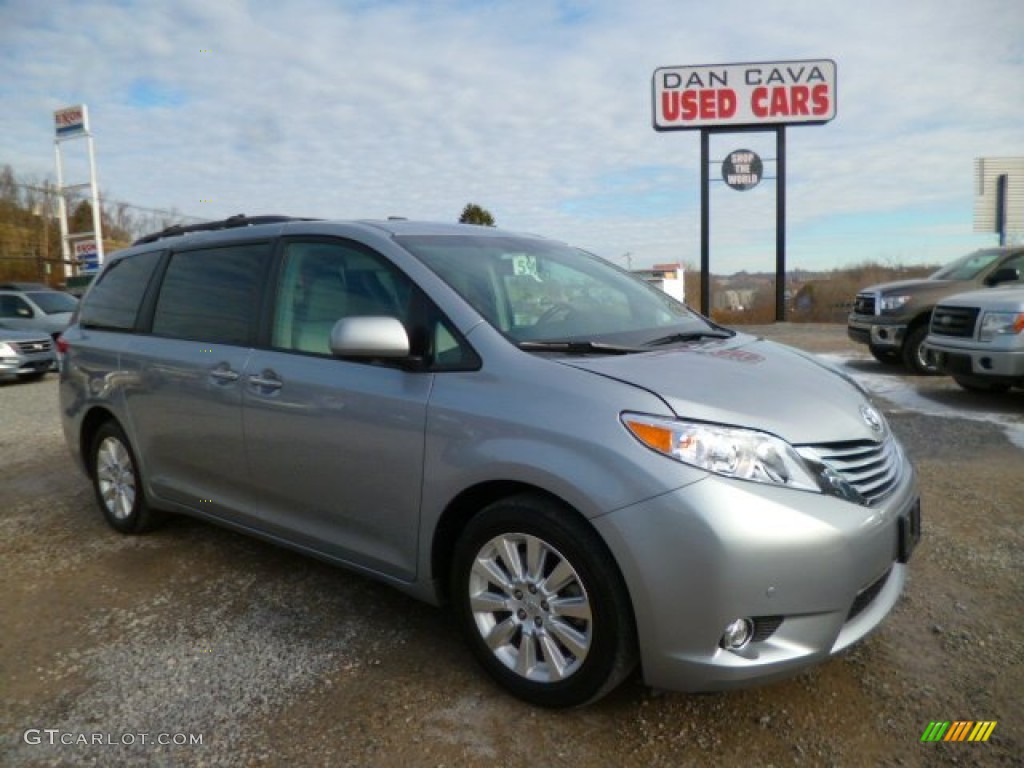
(212, 295)
(113, 301)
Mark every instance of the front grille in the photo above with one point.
(873, 469)
(32, 347)
(866, 596)
(954, 321)
(864, 304)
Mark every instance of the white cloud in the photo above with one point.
(538, 111)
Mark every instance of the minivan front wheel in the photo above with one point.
(542, 606)
(116, 481)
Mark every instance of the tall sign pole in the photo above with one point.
(79, 249)
(731, 98)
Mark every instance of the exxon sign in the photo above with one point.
(71, 121)
(772, 93)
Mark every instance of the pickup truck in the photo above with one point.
(978, 338)
(892, 318)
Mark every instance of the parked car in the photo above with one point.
(44, 310)
(25, 354)
(571, 458)
(892, 318)
(978, 338)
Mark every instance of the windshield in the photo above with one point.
(967, 267)
(535, 290)
(54, 302)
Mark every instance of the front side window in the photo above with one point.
(538, 290)
(323, 282)
(1014, 262)
(212, 295)
(114, 300)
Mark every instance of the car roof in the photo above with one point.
(243, 227)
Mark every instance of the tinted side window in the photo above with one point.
(14, 306)
(113, 302)
(212, 294)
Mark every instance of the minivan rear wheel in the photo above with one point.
(541, 604)
(117, 483)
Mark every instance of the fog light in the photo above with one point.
(737, 634)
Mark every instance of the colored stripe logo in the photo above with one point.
(959, 730)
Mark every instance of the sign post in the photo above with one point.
(733, 98)
(86, 247)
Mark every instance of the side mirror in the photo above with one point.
(25, 312)
(369, 337)
(1003, 275)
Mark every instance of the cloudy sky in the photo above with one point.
(538, 110)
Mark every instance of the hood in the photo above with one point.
(1002, 298)
(746, 382)
(921, 285)
(8, 334)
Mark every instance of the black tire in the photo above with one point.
(117, 483)
(915, 356)
(885, 356)
(972, 384)
(550, 655)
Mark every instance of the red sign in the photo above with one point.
(780, 92)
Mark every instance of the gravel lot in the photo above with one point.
(275, 659)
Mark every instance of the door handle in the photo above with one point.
(266, 380)
(224, 374)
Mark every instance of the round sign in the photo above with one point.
(742, 169)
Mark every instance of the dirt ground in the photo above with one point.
(275, 659)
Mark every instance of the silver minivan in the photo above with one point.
(592, 475)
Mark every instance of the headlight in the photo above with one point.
(6, 350)
(741, 453)
(744, 454)
(892, 303)
(999, 324)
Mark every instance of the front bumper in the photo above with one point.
(25, 365)
(989, 362)
(815, 574)
(870, 330)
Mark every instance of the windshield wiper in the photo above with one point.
(579, 347)
(674, 338)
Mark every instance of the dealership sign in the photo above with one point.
(771, 93)
(71, 121)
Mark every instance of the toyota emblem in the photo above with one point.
(871, 418)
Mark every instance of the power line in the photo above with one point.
(52, 190)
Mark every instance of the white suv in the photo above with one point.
(978, 338)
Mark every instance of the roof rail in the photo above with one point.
(238, 220)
